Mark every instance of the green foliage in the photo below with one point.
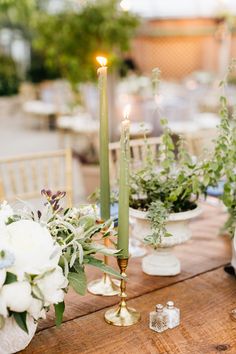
(17, 14)
(10, 278)
(158, 215)
(78, 281)
(176, 183)
(70, 40)
(9, 79)
(223, 163)
(170, 182)
(39, 71)
(20, 318)
(65, 44)
(59, 311)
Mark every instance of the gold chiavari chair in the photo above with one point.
(23, 177)
(138, 154)
(201, 143)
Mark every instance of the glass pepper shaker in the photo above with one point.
(173, 314)
(158, 319)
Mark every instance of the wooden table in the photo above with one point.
(203, 291)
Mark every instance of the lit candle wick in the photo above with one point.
(101, 60)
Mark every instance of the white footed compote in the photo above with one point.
(136, 247)
(162, 261)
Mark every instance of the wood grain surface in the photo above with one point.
(204, 293)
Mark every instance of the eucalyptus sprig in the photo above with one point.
(222, 166)
(158, 215)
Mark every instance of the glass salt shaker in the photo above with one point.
(173, 314)
(158, 319)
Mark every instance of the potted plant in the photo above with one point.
(163, 199)
(41, 255)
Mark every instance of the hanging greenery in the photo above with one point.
(9, 79)
(70, 40)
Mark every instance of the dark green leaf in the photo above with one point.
(10, 278)
(20, 318)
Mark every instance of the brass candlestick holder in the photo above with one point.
(104, 286)
(123, 315)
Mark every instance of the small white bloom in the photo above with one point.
(85, 210)
(2, 277)
(36, 309)
(32, 246)
(5, 212)
(17, 296)
(51, 286)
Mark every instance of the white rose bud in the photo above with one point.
(17, 296)
(36, 309)
(51, 286)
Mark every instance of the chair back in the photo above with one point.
(201, 143)
(139, 150)
(23, 177)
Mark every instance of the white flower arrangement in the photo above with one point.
(43, 253)
(29, 259)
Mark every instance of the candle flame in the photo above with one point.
(102, 61)
(125, 5)
(127, 111)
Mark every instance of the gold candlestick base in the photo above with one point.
(104, 286)
(122, 316)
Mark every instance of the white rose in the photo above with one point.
(5, 212)
(51, 286)
(36, 309)
(3, 306)
(17, 296)
(33, 247)
(3, 274)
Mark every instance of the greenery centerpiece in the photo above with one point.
(42, 254)
(163, 197)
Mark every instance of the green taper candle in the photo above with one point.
(123, 218)
(104, 141)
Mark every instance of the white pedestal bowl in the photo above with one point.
(162, 261)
